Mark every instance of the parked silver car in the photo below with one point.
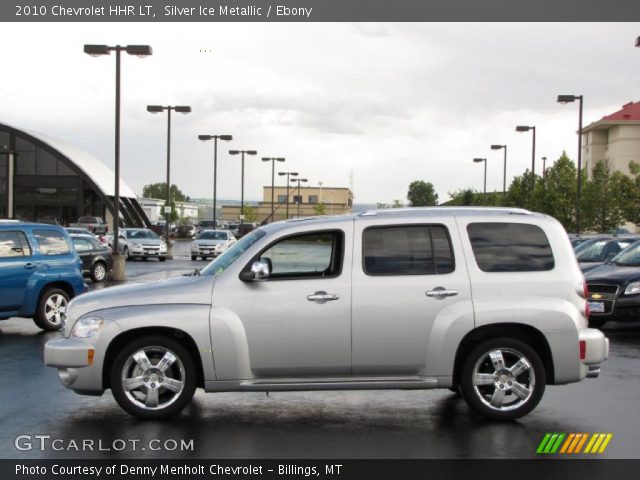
(141, 243)
(489, 302)
(211, 243)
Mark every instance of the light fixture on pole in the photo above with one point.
(299, 180)
(96, 51)
(289, 175)
(504, 176)
(184, 109)
(242, 153)
(544, 167)
(525, 128)
(215, 138)
(479, 160)
(570, 99)
(273, 161)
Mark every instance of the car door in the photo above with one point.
(297, 322)
(16, 267)
(84, 248)
(410, 287)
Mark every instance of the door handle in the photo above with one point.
(323, 297)
(30, 266)
(440, 293)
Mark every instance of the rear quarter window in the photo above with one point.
(51, 242)
(510, 247)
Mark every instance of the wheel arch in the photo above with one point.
(531, 335)
(127, 336)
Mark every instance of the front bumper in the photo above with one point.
(77, 365)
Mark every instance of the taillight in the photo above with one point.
(583, 349)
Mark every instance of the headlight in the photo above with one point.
(86, 327)
(163, 245)
(632, 288)
(136, 245)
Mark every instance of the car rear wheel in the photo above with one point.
(99, 272)
(153, 377)
(52, 308)
(193, 257)
(502, 379)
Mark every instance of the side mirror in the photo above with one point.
(259, 271)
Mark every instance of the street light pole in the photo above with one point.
(242, 153)
(524, 128)
(157, 109)
(570, 99)
(215, 139)
(273, 161)
(478, 160)
(96, 51)
(289, 175)
(544, 167)
(299, 180)
(504, 177)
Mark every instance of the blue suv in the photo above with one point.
(40, 272)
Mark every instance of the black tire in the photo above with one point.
(162, 259)
(597, 322)
(145, 259)
(132, 402)
(99, 272)
(503, 388)
(51, 306)
(193, 257)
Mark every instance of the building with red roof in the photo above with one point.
(614, 139)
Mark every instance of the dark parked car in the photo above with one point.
(614, 288)
(39, 273)
(595, 253)
(96, 258)
(185, 231)
(206, 225)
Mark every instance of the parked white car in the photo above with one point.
(211, 243)
(488, 302)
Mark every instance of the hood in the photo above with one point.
(615, 274)
(192, 290)
(145, 241)
(209, 241)
(588, 266)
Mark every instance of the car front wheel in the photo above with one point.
(52, 308)
(153, 377)
(502, 379)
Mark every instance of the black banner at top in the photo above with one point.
(319, 10)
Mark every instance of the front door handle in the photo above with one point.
(323, 297)
(440, 293)
(30, 266)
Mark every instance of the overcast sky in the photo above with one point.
(391, 103)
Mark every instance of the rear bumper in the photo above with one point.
(596, 349)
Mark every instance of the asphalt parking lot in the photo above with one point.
(387, 424)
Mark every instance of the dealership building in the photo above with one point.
(48, 180)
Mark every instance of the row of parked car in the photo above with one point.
(611, 265)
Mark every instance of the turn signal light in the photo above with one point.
(91, 352)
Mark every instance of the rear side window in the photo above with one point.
(407, 250)
(510, 247)
(51, 242)
(14, 244)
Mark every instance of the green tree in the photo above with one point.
(604, 199)
(422, 194)
(397, 204)
(249, 213)
(173, 217)
(159, 191)
(630, 191)
(320, 209)
(557, 192)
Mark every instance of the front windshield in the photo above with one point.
(138, 234)
(629, 257)
(211, 235)
(223, 262)
(602, 250)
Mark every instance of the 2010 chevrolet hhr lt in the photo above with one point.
(488, 302)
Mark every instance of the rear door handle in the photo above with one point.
(440, 293)
(323, 297)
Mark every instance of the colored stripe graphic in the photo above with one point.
(573, 443)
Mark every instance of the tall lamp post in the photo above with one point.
(525, 128)
(571, 99)
(273, 161)
(544, 167)
(504, 176)
(96, 51)
(299, 180)
(242, 153)
(480, 160)
(184, 109)
(215, 138)
(289, 175)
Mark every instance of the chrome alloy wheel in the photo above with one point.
(504, 379)
(99, 272)
(153, 378)
(55, 308)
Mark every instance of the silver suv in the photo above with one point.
(487, 302)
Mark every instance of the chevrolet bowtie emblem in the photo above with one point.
(596, 296)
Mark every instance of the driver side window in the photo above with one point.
(310, 255)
